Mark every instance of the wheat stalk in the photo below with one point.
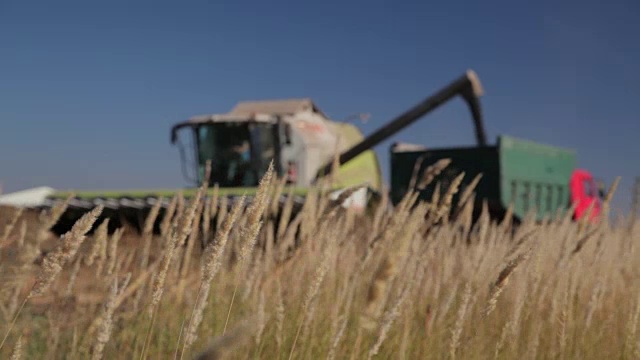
(177, 237)
(16, 354)
(502, 280)
(147, 233)
(312, 291)
(12, 223)
(106, 325)
(432, 171)
(55, 261)
(211, 263)
(456, 332)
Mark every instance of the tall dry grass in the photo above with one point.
(323, 283)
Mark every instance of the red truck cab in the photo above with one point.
(584, 192)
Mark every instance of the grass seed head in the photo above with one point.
(54, 261)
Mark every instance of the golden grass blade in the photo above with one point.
(55, 261)
(9, 227)
(432, 171)
(212, 261)
(17, 350)
(250, 232)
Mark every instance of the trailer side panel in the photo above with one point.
(534, 176)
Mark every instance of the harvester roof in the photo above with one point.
(276, 107)
(228, 117)
(264, 110)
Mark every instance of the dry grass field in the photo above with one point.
(406, 283)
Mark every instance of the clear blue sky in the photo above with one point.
(89, 90)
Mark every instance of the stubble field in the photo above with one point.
(405, 283)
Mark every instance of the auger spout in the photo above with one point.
(468, 86)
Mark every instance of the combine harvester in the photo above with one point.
(302, 142)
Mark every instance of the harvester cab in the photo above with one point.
(295, 134)
(240, 148)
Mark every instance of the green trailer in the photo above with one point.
(527, 175)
